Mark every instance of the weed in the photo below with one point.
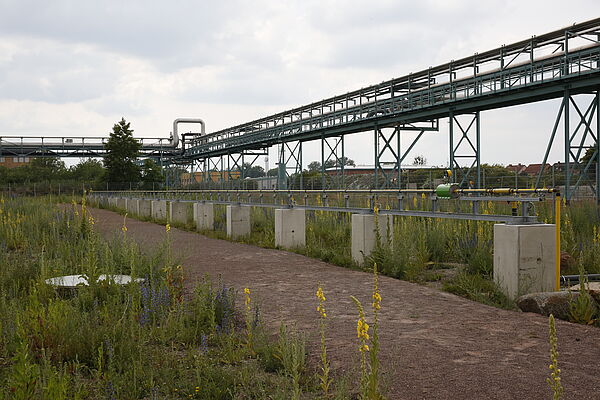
(554, 379)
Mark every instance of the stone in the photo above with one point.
(592, 287)
(546, 303)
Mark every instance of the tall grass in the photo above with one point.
(106, 341)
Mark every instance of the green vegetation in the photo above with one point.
(121, 154)
(149, 339)
(143, 340)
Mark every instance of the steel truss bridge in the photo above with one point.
(561, 64)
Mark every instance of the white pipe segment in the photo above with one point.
(186, 120)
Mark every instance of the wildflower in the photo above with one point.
(168, 228)
(321, 306)
(376, 301)
(197, 389)
(324, 378)
(247, 300)
(362, 329)
(554, 380)
(248, 315)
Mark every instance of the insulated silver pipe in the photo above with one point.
(186, 120)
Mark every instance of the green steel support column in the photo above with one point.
(376, 146)
(451, 129)
(399, 164)
(478, 151)
(281, 173)
(567, 147)
(292, 161)
(343, 186)
(470, 152)
(323, 163)
(597, 99)
(550, 143)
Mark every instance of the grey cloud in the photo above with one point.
(55, 73)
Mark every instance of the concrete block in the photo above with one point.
(133, 206)
(204, 215)
(145, 208)
(364, 234)
(122, 203)
(524, 258)
(179, 212)
(238, 221)
(159, 209)
(290, 227)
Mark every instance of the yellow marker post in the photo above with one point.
(557, 222)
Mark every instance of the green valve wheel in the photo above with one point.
(446, 191)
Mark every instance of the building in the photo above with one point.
(534, 169)
(14, 162)
(214, 176)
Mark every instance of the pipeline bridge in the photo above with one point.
(563, 64)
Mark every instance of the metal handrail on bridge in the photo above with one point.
(429, 94)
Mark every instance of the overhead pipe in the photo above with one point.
(175, 140)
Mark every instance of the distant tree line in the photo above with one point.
(119, 165)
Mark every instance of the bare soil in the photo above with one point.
(434, 345)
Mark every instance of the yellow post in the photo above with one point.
(557, 222)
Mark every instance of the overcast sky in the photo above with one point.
(76, 67)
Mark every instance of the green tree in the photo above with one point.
(253, 171)
(88, 170)
(152, 176)
(589, 153)
(45, 169)
(122, 151)
(314, 166)
(419, 160)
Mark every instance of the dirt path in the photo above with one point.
(434, 345)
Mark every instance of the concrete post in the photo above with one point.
(122, 203)
(145, 208)
(364, 234)
(238, 221)
(204, 215)
(133, 206)
(159, 209)
(290, 227)
(179, 212)
(524, 258)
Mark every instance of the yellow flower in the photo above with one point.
(168, 228)
(320, 294)
(246, 291)
(364, 347)
(197, 389)
(376, 301)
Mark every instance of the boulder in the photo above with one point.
(592, 287)
(546, 303)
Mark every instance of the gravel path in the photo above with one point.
(434, 345)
